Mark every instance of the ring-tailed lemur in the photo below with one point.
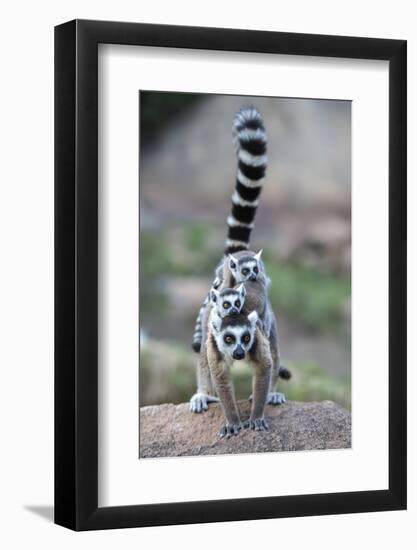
(250, 141)
(243, 265)
(237, 337)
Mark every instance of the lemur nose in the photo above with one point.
(252, 278)
(238, 354)
(233, 311)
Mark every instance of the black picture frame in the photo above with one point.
(76, 272)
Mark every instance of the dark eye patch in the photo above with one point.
(245, 271)
(237, 303)
(255, 270)
(226, 305)
(246, 338)
(229, 338)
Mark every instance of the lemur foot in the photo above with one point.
(227, 430)
(257, 424)
(199, 402)
(276, 398)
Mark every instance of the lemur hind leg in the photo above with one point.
(261, 359)
(204, 395)
(275, 397)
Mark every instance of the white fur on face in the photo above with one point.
(250, 265)
(233, 299)
(237, 331)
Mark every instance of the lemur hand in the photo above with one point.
(199, 402)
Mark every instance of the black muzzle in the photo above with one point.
(239, 353)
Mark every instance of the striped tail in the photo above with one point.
(198, 329)
(250, 140)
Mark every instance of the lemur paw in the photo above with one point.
(227, 430)
(276, 398)
(257, 424)
(199, 402)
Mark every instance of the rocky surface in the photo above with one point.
(171, 430)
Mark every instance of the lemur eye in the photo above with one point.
(237, 303)
(255, 270)
(245, 271)
(246, 338)
(229, 339)
(226, 305)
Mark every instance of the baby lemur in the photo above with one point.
(250, 331)
(228, 301)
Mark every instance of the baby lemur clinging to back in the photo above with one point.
(215, 333)
(226, 302)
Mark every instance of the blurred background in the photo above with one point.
(303, 224)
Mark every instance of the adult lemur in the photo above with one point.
(237, 266)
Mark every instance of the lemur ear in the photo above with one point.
(215, 326)
(258, 255)
(253, 317)
(242, 290)
(216, 283)
(214, 295)
(232, 262)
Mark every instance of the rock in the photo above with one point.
(172, 430)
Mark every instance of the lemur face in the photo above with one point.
(235, 335)
(228, 301)
(246, 268)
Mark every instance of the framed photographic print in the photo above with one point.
(230, 284)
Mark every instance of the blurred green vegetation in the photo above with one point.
(304, 294)
(178, 249)
(157, 109)
(167, 375)
(308, 295)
